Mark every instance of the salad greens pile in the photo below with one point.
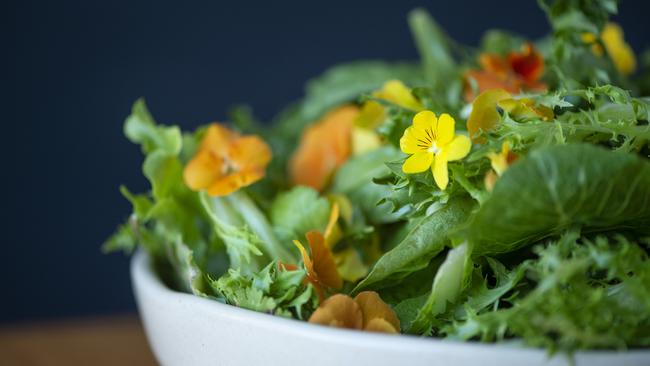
(533, 223)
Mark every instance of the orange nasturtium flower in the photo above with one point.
(432, 142)
(516, 72)
(226, 161)
(366, 311)
(323, 148)
(500, 163)
(618, 50)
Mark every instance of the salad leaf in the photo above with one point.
(295, 212)
(451, 279)
(556, 188)
(270, 291)
(354, 179)
(426, 240)
(586, 293)
(439, 65)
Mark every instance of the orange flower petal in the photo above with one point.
(324, 265)
(217, 138)
(373, 307)
(324, 147)
(528, 64)
(229, 183)
(249, 152)
(202, 170)
(487, 81)
(381, 326)
(338, 311)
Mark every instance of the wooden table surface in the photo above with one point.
(116, 340)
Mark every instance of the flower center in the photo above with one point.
(433, 149)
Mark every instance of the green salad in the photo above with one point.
(491, 193)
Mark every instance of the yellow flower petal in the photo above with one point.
(440, 172)
(370, 115)
(444, 130)
(364, 140)
(620, 52)
(409, 142)
(484, 116)
(424, 120)
(458, 148)
(396, 92)
(417, 163)
(334, 217)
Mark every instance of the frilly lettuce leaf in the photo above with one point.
(271, 290)
(582, 293)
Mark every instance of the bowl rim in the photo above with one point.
(143, 275)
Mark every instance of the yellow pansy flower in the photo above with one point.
(432, 142)
(394, 91)
(618, 50)
(364, 137)
(500, 163)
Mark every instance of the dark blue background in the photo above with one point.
(75, 67)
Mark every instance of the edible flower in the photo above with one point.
(364, 137)
(525, 108)
(618, 50)
(367, 311)
(226, 161)
(324, 146)
(320, 267)
(516, 72)
(500, 163)
(394, 91)
(349, 264)
(432, 142)
(485, 117)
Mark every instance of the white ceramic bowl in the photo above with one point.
(187, 330)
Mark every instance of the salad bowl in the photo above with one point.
(184, 329)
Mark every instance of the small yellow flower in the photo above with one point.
(364, 137)
(618, 50)
(394, 91)
(500, 163)
(366, 312)
(432, 142)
